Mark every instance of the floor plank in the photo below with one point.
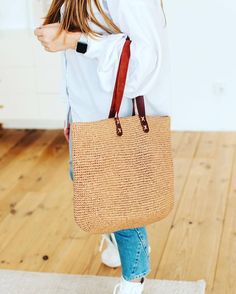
(192, 248)
(196, 241)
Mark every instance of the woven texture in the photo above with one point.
(123, 181)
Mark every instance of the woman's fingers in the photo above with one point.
(40, 38)
(48, 49)
(47, 45)
(66, 136)
(49, 38)
(38, 32)
(67, 133)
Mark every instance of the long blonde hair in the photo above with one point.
(77, 15)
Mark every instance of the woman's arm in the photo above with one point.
(137, 19)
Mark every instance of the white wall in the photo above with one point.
(30, 77)
(203, 57)
(13, 16)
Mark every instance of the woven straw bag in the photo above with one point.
(122, 167)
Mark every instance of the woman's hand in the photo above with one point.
(67, 132)
(46, 34)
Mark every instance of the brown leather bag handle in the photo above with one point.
(119, 91)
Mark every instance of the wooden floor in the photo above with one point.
(196, 241)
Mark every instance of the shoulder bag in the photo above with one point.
(122, 166)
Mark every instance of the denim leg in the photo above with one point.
(133, 248)
(70, 156)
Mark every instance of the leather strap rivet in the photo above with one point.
(118, 127)
(144, 124)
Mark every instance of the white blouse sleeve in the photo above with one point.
(138, 20)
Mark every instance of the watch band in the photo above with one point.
(82, 44)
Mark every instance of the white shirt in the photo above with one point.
(89, 78)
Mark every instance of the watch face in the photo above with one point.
(81, 47)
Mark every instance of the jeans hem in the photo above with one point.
(133, 277)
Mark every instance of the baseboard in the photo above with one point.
(31, 124)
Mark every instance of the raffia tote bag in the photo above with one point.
(122, 167)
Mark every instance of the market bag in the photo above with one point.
(122, 166)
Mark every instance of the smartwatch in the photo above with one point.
(82, 45)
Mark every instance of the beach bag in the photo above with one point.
(122, 166)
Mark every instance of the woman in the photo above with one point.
(91, 34)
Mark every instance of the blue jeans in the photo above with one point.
(132, 245)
